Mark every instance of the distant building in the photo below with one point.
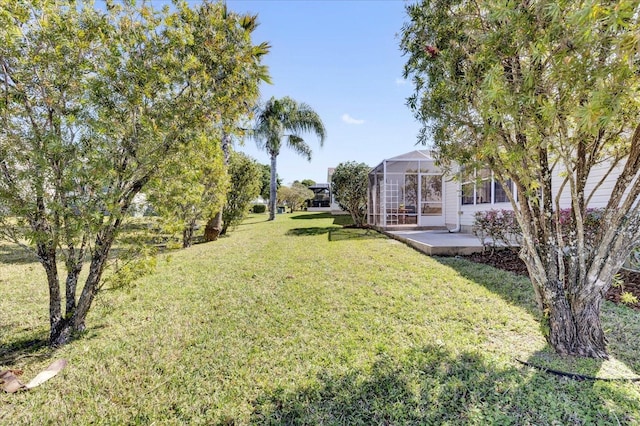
(321, 197)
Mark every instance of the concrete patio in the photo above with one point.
(438, 242)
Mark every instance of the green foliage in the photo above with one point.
(349, 184)
(308, 182)
(245, 179)
(285, 120)
(628, 298)
(191, 187)
(295, 195)
(95, 103)
(272, 328)
(542, 93)
(266, 181)
(259, 208)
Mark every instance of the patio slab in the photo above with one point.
(438, 242)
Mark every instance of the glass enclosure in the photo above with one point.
(406, 191)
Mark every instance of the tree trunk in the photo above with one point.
(570, 309)
(47, 257)
(574, 327)
(187, 234)
(273, 188)
(213, 228)
(62, 331)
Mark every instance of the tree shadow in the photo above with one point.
(12, 254)
(435, 386)
(28, 347)
(311, 216)
(305, 232)
(622, 324)
(515, 289)
(341, 234)
(336, 233)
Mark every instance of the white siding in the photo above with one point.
(599, 199)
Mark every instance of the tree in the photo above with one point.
(248, 64)
(93, 104)
(285, 119)
(265, 185)
(533, 90)
(308, 182)
(295, 195)
(191, 187)
(349, 184)
(245, 176)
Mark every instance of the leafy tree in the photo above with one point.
(265, 186)
(285, 119)
(245, 175)
(191, 187)
(295, 195)
(93, 104)
(349, 184)
(308, 182)
(533, 90)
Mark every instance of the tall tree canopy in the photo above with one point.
(93, 103)
(245, 177)
(537, 90)
(285, 119)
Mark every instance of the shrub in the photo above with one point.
(259, 208)
(497, 228)
(500, 228)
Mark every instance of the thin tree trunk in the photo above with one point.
(273, 189)
(47, 257)
(213, 228)
(187, 234)
(62, 333)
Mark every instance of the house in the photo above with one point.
(321, 200)
(411, 192)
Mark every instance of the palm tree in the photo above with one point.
(284, 119)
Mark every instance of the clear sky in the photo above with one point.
(341, 57)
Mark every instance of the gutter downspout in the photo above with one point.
(459, 204)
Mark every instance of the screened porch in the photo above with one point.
(406, 191)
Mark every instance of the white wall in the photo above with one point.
(599, 199)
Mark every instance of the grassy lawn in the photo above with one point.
(298, 321)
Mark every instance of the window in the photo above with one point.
(499, 194)
(483, 186)
(480, 187)
(468, 188)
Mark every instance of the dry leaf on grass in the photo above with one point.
(10, 383)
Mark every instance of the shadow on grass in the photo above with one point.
(314, 230)
(435, 386)
(335, 233)
(341, 234)
(513, 288)
(310, 216)
(29, 347)
(12, 254)
(622, 324)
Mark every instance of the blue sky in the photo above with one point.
(343, 59)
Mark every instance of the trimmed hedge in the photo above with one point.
(259, 208)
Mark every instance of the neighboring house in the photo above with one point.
(321, 200)
(411, 191)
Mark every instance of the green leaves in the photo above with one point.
(98, 102)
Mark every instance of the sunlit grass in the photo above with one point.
(299, 321)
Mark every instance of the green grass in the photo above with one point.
(299, 321)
